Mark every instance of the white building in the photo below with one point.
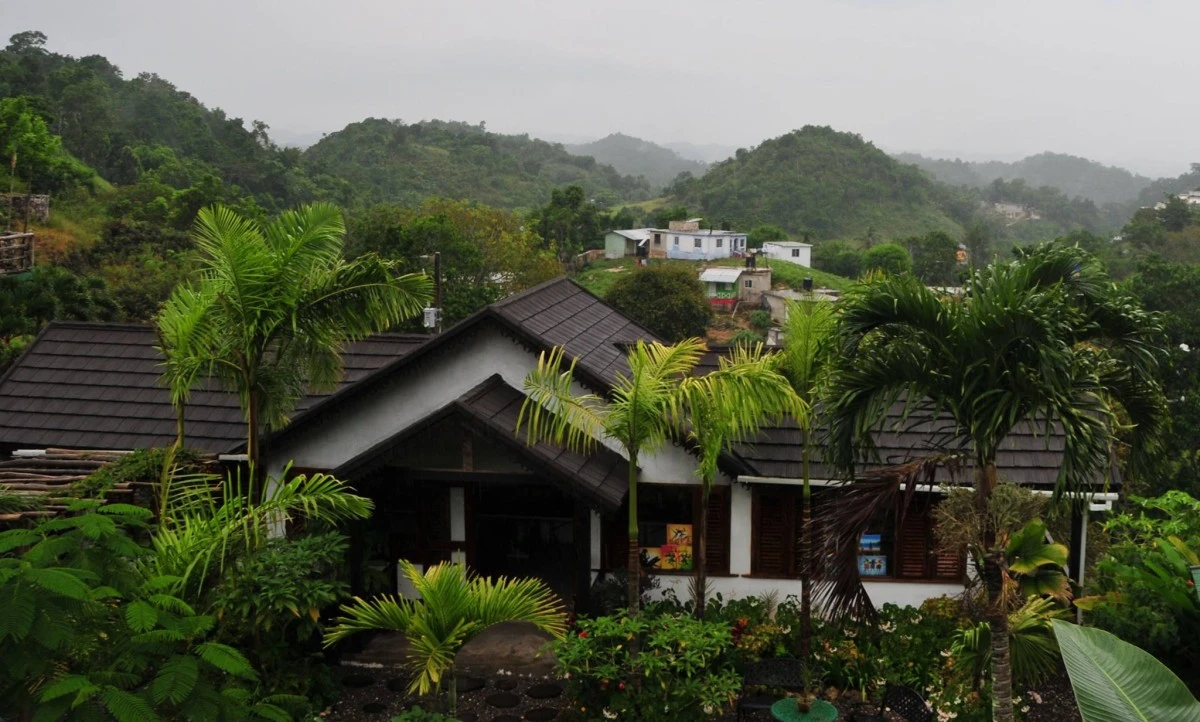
(790, 251)
(687, 240)
(632, 242)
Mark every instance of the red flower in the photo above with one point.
(621, 686)
(583, 635)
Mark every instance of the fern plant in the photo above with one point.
(87, 633)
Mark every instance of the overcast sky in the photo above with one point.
(1107, 80)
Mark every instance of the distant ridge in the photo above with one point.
(637, 157)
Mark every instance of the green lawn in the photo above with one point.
(601, 275)
(793, 275)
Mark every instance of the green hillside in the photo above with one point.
(637, 157)
(824, 183)
(390, 161)
(1074, 176)
(598, 277)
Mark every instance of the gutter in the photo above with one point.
(1097, 500)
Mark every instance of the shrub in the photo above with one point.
(1144, 590)
(666, 299)
(270, 603)
(890, 257)
(87, 632)
(760, 320)
(681, 670)
(745, 337)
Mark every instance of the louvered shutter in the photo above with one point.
(772, 534)
(716, 544)
(912, 542)
(822, 505)
(949, 565)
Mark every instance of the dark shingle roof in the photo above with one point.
(96, 386)
(601, 476)
(563, 313)
(1026, 456)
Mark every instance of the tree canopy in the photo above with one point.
(668, 300)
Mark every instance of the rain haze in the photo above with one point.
(1104, 80)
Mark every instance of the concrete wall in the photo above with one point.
(614, 246)
(910, 594)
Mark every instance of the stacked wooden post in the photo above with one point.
(48, 476)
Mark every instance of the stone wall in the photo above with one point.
(34, 207)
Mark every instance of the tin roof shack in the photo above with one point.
(726, 287)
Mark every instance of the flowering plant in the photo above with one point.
(681, 669)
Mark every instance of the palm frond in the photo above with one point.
(552, 412)
(452, 609)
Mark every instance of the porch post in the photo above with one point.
(740, 519)
(1078, 556)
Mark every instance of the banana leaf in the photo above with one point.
(1115, 681)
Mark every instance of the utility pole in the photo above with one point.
(437, 290)
(432, 316)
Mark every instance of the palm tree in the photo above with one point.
(1046, 340)
(454, 607)
(640, 415)
(806, 361)
(723, 408)
(273, 308)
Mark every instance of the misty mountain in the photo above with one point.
(825, 183)
(637, 157)
(388, 161)
(1074, 176)
(703, 152)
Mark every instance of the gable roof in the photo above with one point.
(558, 312)
(96, 386)
(602, 476)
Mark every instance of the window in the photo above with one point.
(698, 243)
(748, 283)
(887, 550)
(720, 241)
(657, 239)
(795, 253)
(667, 514)
(677, 240)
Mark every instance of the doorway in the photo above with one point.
(525, 530)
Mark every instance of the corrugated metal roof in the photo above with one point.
(720, 275)
(635, 234)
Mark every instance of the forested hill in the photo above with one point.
(1074, 176)
(390, 161)
(637, 157)
(126, 128)
(827, 184)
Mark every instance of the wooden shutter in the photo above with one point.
(912, 542)
(946, 565)
(773, 537)
(716, 544)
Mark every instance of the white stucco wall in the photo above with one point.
(909, 594)
(780, 252)
(403, 400)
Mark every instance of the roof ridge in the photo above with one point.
(100, 324)
(483, 387)
(532, 290)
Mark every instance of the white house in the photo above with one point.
(687, 240)
(426, 426)
(790, 251)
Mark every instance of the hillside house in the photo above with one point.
(789, 251)
(726, 286)
(425, 426)
(634, 242)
